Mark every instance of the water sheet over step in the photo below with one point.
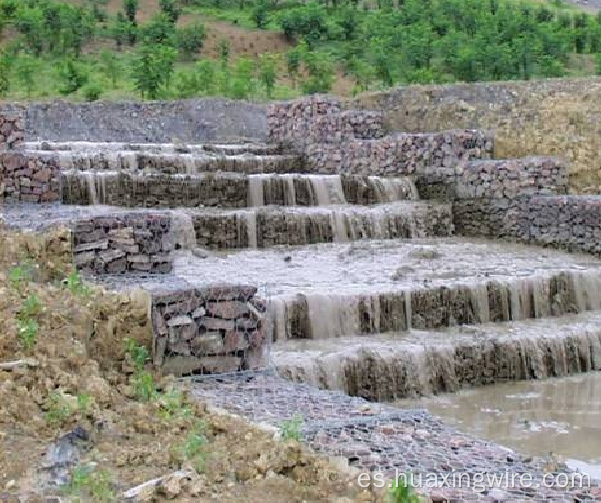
(392, 366)
(371, 287)
(229, 190)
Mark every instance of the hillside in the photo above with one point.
(112, 49)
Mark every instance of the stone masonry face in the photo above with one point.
(31, 178)
(335, 141)
(134, 243)
(220, 328)
(566, 222)
(11, 131)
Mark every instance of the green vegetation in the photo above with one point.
(142, 380)
(401, 492)
(75, 284)
(28, 332)
(291, 428)
(53, 47)
(90, 484)
(58, 409)
(194, 447)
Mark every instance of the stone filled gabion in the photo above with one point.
(565, 222)
(320, 119)
(12, 133)
(510, 178)
(220, 328)
(116, 244)
(352, 141)
(31, 178)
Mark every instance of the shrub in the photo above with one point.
(92, 91)
(191, 39)
(291, 428)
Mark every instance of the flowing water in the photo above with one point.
(559, 416)
(336, 290)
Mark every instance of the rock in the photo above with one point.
(201, 253)
(180, 321)
(99, 389)
(173, 485)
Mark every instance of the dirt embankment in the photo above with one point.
(80, 409)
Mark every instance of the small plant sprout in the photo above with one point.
(17, 276)
(75, 284)
(28, 332)
(173, 406)
(84, 401)
(402, 492)
(59, 410)
(144, 386)
(31, 308)
(291, 428)
(89, 484)
(194, 447)
(139, 354)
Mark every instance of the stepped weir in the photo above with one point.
(334, 268)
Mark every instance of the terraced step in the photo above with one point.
(157, 148)
(265, 227)
(229, 190)
(386, 367)
(379, 286)
(169, 163)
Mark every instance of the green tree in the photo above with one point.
(26, 68)
(152, 69)
(170, 9)
(190, 39)
(6, 64)
(268, 73)
(119, 30)
(320, 72)
(160, 31)
(260, 14)
(131, 9)
(73, 76)
(111, 67)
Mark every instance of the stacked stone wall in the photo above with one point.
(566, 222)
(265, 228)
(353, 141)
(220, 328)
(31, 178)
(496, 179)
(11, 131)
(154, 191)
(116, 244)
(537, 117)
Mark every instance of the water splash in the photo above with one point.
(183, 234)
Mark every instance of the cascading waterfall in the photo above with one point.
(251, 228)
(422, 363)
(91, 181)
(388, 190)
(183, 234)
(332, 315)
(255, 190)
(339, 227)
(586, 290)
(525, 298)
(481, 303)
(289, 191)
